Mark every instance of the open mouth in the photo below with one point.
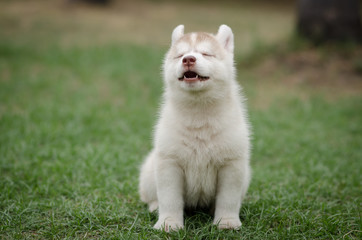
(190, 76)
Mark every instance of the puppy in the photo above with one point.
(201, 142)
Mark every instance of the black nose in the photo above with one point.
(188, 61)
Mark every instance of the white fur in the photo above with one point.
(201, 144)
(177, 33)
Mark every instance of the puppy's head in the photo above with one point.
(200, 63)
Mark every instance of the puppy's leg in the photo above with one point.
(147, 184)
(233, 181)
(169, 180)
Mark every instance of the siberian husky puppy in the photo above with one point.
(201, 143)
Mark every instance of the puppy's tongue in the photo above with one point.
(190, 76)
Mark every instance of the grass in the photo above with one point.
(76, 123)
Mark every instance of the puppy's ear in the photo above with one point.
(177, 33)
(226, 38)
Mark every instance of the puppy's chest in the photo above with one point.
(201, 160)
(200, 144)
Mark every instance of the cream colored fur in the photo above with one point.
(201, 143)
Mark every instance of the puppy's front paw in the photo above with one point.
(168, 224)
(228, 223)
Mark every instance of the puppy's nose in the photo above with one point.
(189, 61)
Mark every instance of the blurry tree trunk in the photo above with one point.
(323, 20)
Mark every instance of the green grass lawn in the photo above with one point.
(76, 123)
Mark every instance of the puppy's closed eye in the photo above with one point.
(207, 54)
(179, 56)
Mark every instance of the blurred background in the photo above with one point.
(80, 88)
(268, 30)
